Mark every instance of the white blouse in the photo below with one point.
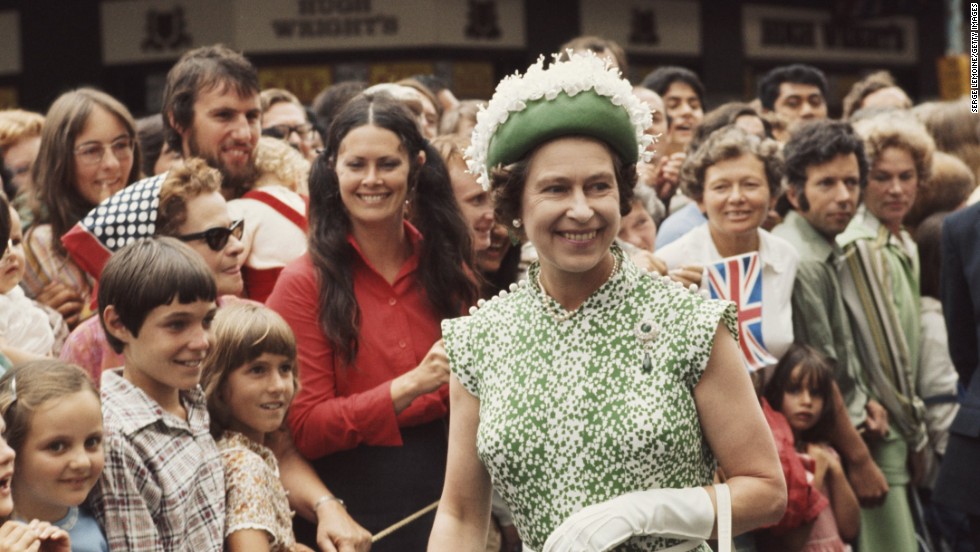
(779, 261)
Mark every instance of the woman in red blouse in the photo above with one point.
(365, 304)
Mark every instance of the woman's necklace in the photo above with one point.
(559, 314)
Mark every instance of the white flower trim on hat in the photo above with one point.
(582, 72)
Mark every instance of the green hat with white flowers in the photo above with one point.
(582, 96)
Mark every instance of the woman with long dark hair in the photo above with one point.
(365, 304)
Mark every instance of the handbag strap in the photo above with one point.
(723, 499)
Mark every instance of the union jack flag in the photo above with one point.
(739, 279)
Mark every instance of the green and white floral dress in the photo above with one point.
(571, 412)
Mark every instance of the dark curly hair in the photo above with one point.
(815, 143)
(661, 78)
(768, 89)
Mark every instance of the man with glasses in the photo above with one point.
(284, 117)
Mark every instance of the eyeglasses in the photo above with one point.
(93, 153)
(284, 131)
(217, 238)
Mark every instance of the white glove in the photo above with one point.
(669, 513)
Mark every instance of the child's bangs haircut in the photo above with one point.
(816, 375)
(29, 385)
(148, 273)
(242, 333)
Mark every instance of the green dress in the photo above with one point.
(572, 413)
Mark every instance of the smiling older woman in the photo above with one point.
(735, 177)
(595, 397)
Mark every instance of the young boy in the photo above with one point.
(163, 485)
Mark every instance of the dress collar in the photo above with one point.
(612, 292)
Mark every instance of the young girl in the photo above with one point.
(53, 420)
(249, 379)
(801, 388)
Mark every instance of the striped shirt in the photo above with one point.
(45, 265)
(163, 484)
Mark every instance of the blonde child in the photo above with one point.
(249, 380)
(53, 421)
(24, 324)
(801, 389)
(275, 214)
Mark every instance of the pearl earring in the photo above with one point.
(517, 223)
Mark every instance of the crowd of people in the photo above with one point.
(582, 314)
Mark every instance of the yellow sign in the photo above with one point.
(306, 82)
(954, 76)
(473, 80)
(8, 97)
(397, 70)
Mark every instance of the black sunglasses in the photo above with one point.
(217, 238)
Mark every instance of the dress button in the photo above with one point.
(402, 344)
(392, 301)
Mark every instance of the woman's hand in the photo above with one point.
(16, 537)
(821, 464)
(687, 275)
(337, 531)
(648, 262)
(431, 374)
(663, 175)
(877, 422)
(63, 299)
(674, 513)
